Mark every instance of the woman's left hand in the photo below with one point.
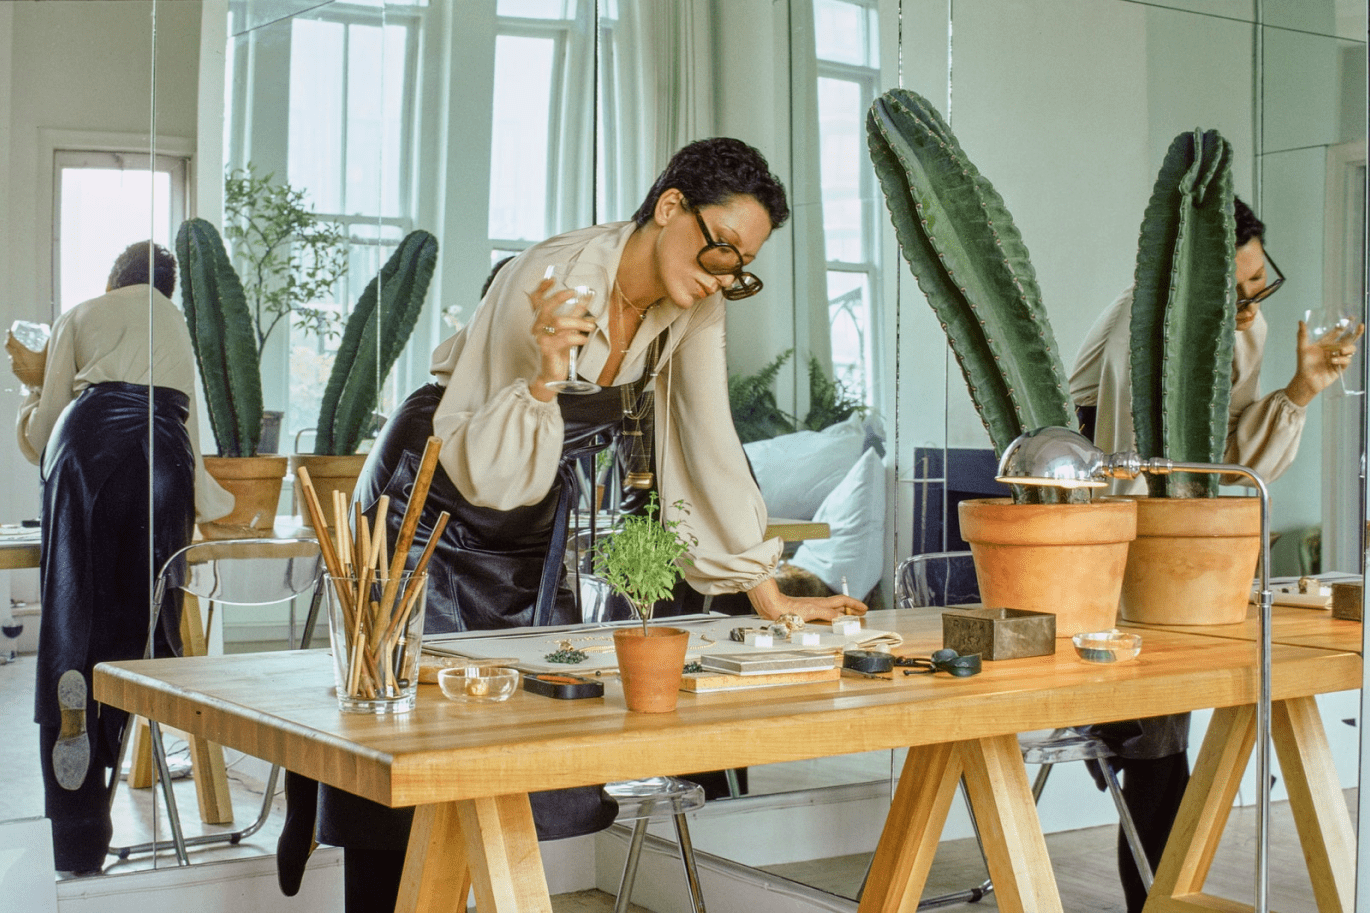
(770, 603)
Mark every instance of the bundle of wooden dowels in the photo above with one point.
(366, 576)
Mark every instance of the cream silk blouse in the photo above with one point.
(1262, 432)
(106, 339)
(501, 446)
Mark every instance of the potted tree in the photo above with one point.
(1195, 552)
(1040, 550)
(286, 259)
(375, 333)
(641, 561)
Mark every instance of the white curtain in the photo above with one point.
(659, 96)
(812, 323)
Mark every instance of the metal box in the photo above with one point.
(999, 633)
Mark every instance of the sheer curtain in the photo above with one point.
(812, 321)
(659, 94)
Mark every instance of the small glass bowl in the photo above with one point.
(478, 684)
(1107, 646)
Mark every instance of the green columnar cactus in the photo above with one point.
(376, 332)
(1184, 314)
(971, 263)
(221, 334)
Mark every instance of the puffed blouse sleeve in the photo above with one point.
(1263, 432)
(41, 408)
(701, 462)
(500, 445)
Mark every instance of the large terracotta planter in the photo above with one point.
(1067, 559)
(255, 483)
(1193, 561)
(651, 667)
(327, 474)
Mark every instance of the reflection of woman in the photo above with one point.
(656, 344)
(85, 422)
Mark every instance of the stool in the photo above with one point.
(640, 801)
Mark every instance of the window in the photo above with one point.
(846, 36)
(105, 201)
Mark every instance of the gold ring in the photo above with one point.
(550, 330)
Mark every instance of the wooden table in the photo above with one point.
(469, 768)
(1315, 796)
(18, 552)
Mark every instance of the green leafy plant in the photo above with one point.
(757, 416)
(222, 336)
(1184, 314)
(642, 559)
(376, 331)
(287, 257)
(971, 263)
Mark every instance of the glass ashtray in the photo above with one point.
(478, 684)
(1107, 646)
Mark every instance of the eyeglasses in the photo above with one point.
(1270, 288)
(719, 258)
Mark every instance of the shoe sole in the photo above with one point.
(71, 754)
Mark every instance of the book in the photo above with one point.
(768, 661)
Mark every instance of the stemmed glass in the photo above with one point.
(1332, 327)
(586, 281)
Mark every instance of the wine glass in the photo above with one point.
(587, 281)
(1331, 327)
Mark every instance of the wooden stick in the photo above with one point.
(418, 495)
(416, 577)
(311, 501)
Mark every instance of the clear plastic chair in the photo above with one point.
(641, 801)
(227, 572)
(948, 578)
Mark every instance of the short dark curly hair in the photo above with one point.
(131, 268)
(709, 171)
(1248, 226)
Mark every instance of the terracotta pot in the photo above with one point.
(651, 667)
(255, 483)
(327, 474)
(1067, 559)
(1193, 561)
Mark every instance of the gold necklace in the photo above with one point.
(628, 304)
(638, 469)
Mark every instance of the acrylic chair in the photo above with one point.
(237, 572)
(652, 798)
(948, 578)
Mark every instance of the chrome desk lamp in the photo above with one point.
(1057, 457)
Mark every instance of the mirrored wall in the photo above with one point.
(495, 124)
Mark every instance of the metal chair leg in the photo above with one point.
(625, 884)
(687, 856)
(168, 793)
(1134, 840)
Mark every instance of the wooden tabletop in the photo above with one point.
(281, 707)
(1290, 625)
(18, 552)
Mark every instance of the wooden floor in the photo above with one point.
(1084, 862)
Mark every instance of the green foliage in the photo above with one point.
(641, 560)
(288, 258)
(757, 416)
(376, 331)
(1184, 313)
(829, 400)
(971, 263)
(221, 334)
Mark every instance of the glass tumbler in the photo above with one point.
(375, 627)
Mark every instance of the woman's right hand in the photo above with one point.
(557, 331)
(29, 366)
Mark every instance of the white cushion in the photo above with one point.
(797, 471)
(855, 512)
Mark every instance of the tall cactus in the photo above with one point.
(1184, 314)
(971, 263)
(222, 336)
(375, 333)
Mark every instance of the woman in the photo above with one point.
(86, 423)
(655, 343)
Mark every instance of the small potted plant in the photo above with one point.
(642, 561)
